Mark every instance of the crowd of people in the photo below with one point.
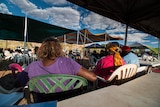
(18, 55)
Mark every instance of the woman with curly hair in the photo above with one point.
(51, 61)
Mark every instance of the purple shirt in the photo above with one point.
(62, 65)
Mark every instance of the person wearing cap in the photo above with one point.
(129, 57)
(108, 64)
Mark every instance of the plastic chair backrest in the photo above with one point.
(52, 83)
(124, 72)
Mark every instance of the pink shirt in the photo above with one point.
(105, 67)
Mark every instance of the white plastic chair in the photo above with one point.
(7, 54)
(121, 74)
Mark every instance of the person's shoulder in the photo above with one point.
(129, 54)
(35, 63)
(134, 54)
(109, 56)
(63, 59)
(66, 60)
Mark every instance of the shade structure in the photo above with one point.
(95, 46)
(85, 36)
(137, 45)
(12, 28)
(143, 15)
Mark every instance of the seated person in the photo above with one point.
(70, 55)
(108, 64)
(95, 56)
(102, 53)
(129, 57)
(51, 61)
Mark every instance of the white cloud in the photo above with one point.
(96, 21)
(56, 2)
(39, 14)
(62, 16)
(117, 35)
(154, 42)
(66, 16)
(137, 37)
(4, 9)
(117, 29)
(25, 5)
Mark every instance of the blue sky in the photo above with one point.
(68, 15)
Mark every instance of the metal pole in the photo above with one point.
(25, 37)
(125, 41)
(25, 32)
(158, 48)
(77, 39)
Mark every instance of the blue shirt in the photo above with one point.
(131, 58)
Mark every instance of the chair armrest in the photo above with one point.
(96, 85)
(102, 79)
(141, 69)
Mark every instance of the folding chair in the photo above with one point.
(55, 87)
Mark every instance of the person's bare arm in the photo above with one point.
(87, 74)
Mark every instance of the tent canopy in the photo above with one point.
(85, 33)
(12, 28)
(95, 46)
(137, 45)
(143, 15)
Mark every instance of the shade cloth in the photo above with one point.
(12, 28)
